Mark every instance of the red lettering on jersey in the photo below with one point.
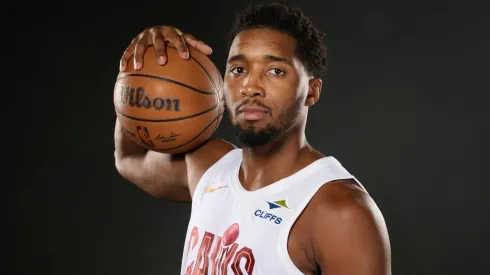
(244, 253)
(203, 255)
(214, 256)
(221, 257)
(192, 242)
(188, 271)
(193, 239)
(228, 254)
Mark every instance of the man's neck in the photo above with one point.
(267, 164)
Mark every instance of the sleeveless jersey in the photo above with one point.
(235, 231)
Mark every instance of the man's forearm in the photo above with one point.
(124, 145)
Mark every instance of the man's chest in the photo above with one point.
(258, 222)
(243, 233)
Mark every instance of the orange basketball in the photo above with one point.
(171, 108)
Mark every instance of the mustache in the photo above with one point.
(254, 102)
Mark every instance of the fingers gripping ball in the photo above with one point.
(172, 108)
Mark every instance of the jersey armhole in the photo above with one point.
(282, 246)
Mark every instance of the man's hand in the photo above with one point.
(157, 36)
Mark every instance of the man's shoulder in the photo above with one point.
(346, 223)
(341, 205)
(211, 151)
(205, 156)
(339, 193)
(343, 196)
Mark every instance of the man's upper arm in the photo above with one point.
(172, 177)
(350, 235)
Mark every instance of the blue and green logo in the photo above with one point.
(277, 204)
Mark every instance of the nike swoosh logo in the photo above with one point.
(210, 189)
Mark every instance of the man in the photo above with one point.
(276, 206)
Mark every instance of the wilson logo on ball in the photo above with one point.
(136, 97)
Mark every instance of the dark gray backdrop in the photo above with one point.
(403, 108)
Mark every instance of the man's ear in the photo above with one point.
(314, 90)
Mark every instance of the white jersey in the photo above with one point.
(235, 231)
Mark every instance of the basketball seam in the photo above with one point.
(217, 124)
(194, 138)
(125, 75)
(216, 87)
(202, 67)
(167, 120)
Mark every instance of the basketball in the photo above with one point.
(171, 108)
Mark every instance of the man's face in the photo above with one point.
(265, 86)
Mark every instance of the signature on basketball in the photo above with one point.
(130, 133)
(167, 139)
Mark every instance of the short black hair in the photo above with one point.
(310, 47)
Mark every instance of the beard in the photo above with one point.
(254, 137)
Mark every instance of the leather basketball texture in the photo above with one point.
(171, 108)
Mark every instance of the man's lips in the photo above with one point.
(252, 113)
(252, 109)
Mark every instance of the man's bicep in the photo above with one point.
(171, 177)
(160, 175)
(352, 238)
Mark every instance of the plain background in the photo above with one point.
(404, 108)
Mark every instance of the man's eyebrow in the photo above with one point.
(240, 57)
(237, 57)
(278, 59)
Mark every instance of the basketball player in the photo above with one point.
(277, 205)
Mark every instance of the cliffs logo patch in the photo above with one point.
(277, 204)
(263, 214)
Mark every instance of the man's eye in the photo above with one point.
(277, 71)
(237, 70)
